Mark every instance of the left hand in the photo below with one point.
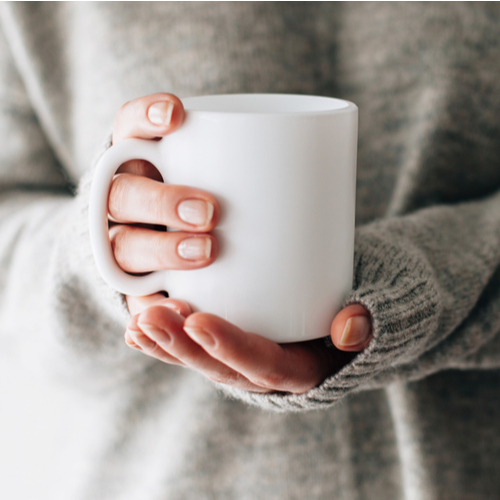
(165, 329)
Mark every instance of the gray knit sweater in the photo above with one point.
(415, 416)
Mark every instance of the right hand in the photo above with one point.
(139, 202)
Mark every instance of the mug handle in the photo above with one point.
(108, 164)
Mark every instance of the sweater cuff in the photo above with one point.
(394, 281)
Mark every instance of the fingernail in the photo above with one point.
(357, 331)
(159, 336)
(201, 337)
(143, 340)
(195, 248)
(130, 341)
(196, 212)
(160, 113)
(130, 335)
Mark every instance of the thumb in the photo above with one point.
(351, 329)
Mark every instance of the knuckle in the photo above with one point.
(128, 118)
(118, 193)
(158, 205)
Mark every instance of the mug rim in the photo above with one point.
(267, 104)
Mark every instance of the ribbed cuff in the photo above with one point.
(394, 281)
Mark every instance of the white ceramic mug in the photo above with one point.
(283, 168)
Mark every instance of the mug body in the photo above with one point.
(283, 168)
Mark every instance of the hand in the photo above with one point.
(165, 329)
(140, 205)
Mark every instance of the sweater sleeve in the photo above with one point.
(431, 282)
(54, 307)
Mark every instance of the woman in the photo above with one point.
(425, 81)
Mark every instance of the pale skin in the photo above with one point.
(165, 328)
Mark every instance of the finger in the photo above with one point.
(291, 368)
(165, 329)
(131, 324)
(130, 342)
(138, 304)
(138, 340)
(139, 167)
(140, 250)
(351, 329)
(148, 117)
(134, 198)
